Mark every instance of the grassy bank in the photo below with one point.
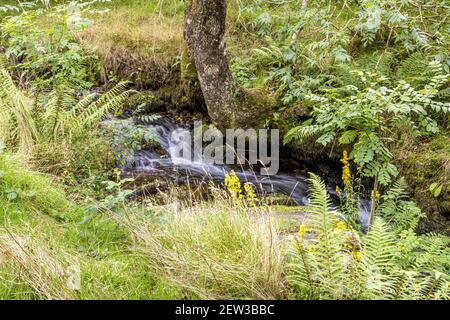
(138, 40)
(52, 248)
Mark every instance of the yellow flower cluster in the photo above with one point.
(250, 194)
(233, 185)
(375, 195)
(302, 231)
(356, 255)
(340, 226)
(346, 173)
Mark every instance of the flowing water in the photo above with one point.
(180, 170)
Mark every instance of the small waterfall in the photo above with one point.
(151, 163)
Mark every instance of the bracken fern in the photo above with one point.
(17, 125)
(62, 116)
(385, 264)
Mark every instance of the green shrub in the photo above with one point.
(384, 264)
(368, 119)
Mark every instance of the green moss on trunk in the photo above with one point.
(423, 165)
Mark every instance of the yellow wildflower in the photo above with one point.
(250, 194)
(302, 231)
(233, 185)
(375, 194)
(346, 173)
(340, 226)
(356, 255)
(344, 159)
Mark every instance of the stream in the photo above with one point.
(152, 164)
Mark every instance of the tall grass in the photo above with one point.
(214, 251)
(45, 239)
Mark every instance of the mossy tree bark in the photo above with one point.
(228, 104)
(191, 91)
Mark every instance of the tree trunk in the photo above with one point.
(229, 106)
(190, 91)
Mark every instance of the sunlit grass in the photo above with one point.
(43, 235)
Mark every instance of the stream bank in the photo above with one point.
(161, 165)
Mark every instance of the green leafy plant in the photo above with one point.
(302, 49)
(334, 263)
(17, 125)
(118, 194)
(73, 119)
(435, 189)
(42, 45)
(367, 119)
(397, 209)
(126, 137)
(61, 117)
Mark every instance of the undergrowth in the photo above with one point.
(316, 58)
(51, 248)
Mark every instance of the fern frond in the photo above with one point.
(377, 261)
(17, 123)
(114, 92)
(396, 208)
(413, 69)
(83, 104)
(61, 99)
(301, 268)
(348, 136)
(88, 111)
(330, 252)
(301, 133)
(95, 111)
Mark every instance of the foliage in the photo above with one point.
(126, 137)
(435, 189)
(367, 119)
(214, 252)
(62, 119)
(45, 97)
(299, 50)
(16, 122)
(396, 208)
(303, 52)
(384, 264)
(118, 194)
(72, 120)
(41, 43)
